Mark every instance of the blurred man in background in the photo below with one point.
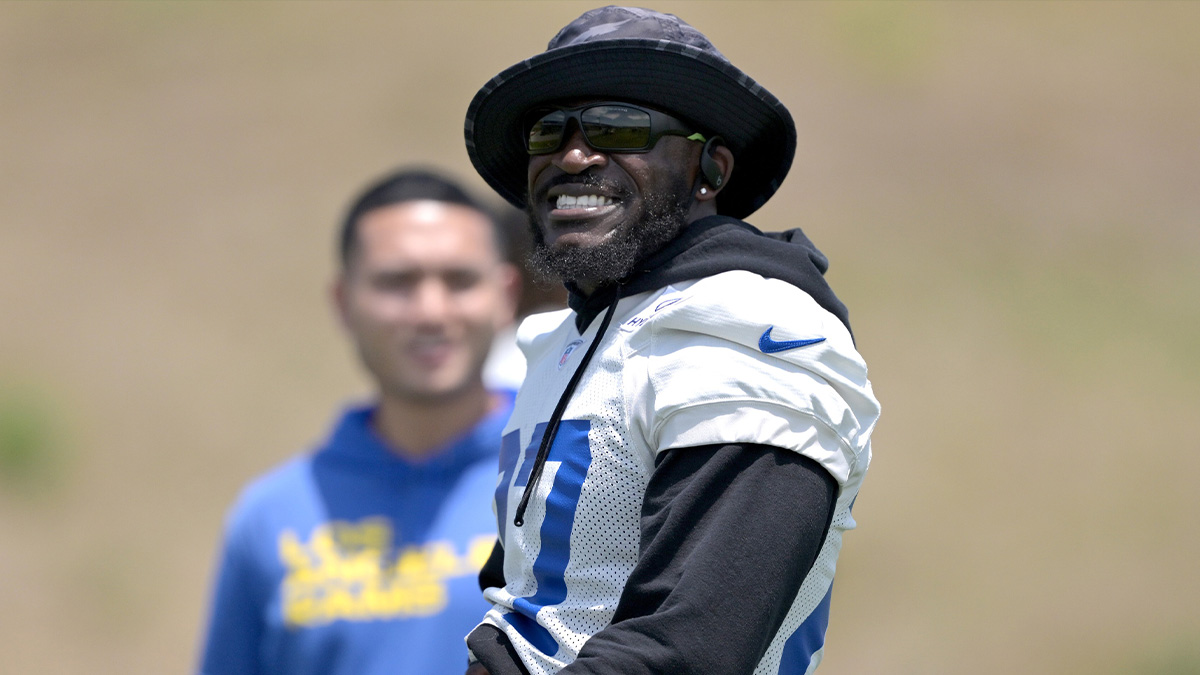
(361, 557)
(505, 367)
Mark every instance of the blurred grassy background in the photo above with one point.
(1007, 192)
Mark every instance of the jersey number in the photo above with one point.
(573, 454)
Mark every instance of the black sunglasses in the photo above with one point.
(612, 126)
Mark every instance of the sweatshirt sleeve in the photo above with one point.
(492, 572)
(235, 627)
(728, 534)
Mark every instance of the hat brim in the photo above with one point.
(670, 76)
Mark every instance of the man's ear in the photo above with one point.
(339, 298)
(510, 284)
(716, 166)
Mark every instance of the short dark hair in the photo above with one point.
(406, 185)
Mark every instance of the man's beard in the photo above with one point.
(663, 217)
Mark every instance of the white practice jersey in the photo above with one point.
(732, 358)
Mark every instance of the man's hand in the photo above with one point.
(476, 669)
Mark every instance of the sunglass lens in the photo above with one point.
(545, 134)
(613, 127)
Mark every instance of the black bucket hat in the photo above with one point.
(641, 56)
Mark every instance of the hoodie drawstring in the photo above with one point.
(552, 427)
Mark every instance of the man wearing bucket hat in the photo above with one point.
(680, 464)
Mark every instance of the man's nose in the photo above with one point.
(576, 156)
(432, 301)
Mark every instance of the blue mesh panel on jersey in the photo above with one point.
(807, 640)
(531, 455)
(510, 449)
(572, 450)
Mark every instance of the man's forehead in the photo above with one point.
(427, 228)
(432, 211)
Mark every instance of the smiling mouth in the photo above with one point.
(430, 351)
(566, 202)
(573, 210)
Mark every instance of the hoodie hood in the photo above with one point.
(713, 245)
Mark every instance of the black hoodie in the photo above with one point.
(729, 532)
(717, 244)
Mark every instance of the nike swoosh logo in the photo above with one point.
(769, 346)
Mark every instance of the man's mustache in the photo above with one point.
(588, 178)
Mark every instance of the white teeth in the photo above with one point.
(582, 201)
